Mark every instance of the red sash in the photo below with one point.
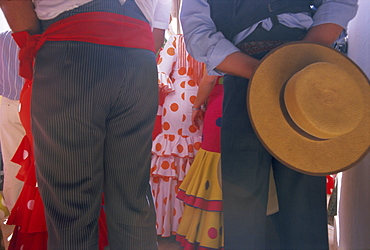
(103, 28)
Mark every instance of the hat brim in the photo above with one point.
(280, 136)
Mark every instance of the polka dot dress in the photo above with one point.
(202, 223)
(330, 181)
(175, 147)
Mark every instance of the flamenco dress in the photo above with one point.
(202, 223)
(175, 147)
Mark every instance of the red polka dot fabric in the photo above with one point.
(330, 181)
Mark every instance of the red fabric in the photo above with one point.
(103, 230)
(191, 246)
(197, 202)
(33, 240)
(158, 121)
(91, 27)
(212, 120)
(157, 127)
(330, 180)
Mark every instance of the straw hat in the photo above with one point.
(310, 106)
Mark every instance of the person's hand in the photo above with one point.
(325, 34)
(196, 116)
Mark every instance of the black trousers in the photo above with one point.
(301, 222)
(93, 112)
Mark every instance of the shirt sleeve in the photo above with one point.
(197, 24)
(335, 11)
(166, 62)
(162, 14)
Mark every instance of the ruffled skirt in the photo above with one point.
(202, 221)
(172, 156)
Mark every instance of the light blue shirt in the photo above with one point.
(10, 82)
(207, 45)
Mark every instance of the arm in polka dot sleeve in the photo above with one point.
(166, 61)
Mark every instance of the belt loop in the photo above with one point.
(270, 8)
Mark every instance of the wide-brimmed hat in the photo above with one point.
(310, 107)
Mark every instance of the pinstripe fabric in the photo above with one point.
(10, 81)
(93, 111)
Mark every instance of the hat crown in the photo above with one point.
(322, 100)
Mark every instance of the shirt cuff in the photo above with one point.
(335, 12)
(217, 54)
(160, 25)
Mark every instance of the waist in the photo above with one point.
(103, 28)
(261, 41)
(129, 8)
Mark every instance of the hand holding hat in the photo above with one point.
(310, 106)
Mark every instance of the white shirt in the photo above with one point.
(157, 12)
(209, 46)
(10, 81)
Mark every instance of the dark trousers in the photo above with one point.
(93, 111)
(301, 221)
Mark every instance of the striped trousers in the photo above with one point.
(93, 111)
